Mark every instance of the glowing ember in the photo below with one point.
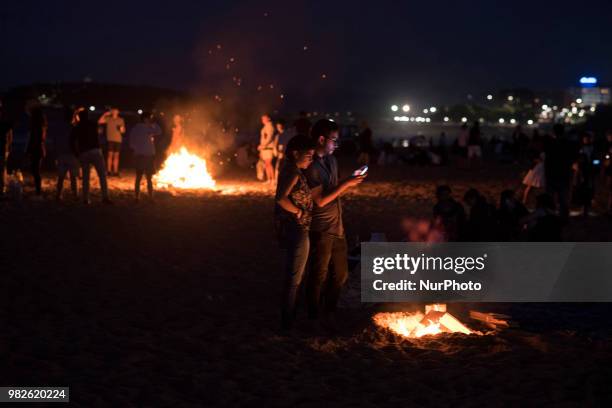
(184, 170)
(436, 320)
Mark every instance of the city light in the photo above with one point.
(394, 108)
(578, 100)
(513, 121)
(406, 108)
(588, 80)
(464, 119)
(425, 110)
(446, 118)
(490, 97)
(592, 108)
(530, 122)
(544, 107)
(433, 109)
(92, 108)
(139, 111)
(510, 97)
(501, 120)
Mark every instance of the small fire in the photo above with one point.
(184, 170)
(436, 320)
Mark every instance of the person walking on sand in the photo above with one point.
(328, 257)
(115, 128)
(142, 142)
(293, 214)
(84, 141)
(267, 146)
(37, 145)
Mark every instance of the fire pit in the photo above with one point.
(434, 321)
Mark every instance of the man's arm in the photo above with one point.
(321, 199)
(103, 118)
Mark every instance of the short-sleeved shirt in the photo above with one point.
(113, 129)
(324, 172)
(142, 138)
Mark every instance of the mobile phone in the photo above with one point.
(361, 171)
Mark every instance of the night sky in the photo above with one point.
(427, 50)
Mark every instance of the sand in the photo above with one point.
(175, 303)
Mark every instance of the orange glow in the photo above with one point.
(184, 170)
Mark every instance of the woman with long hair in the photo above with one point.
(293, 214)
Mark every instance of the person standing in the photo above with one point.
(267, 146)
(115, 128)
(84, 141)
(328, 257)
(67, 161)
(366, 145)
(293, 214)
(282, 138)
(6, 141)
(474, 148)
(36, 148)
(142, 142)
(560, 157)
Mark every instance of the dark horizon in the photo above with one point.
(310, 51)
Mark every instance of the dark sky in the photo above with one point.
(427, 50)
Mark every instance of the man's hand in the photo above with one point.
(354, 181)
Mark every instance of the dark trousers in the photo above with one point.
(561, 189)
(328, 272)
(297, 245)
(144, 165)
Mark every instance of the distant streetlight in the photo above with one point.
(464, 119)
(489, 97)
(406, 108)
(446, 118)
(530, 122)
(578, 100)
(140, 111)
(513, 121)
(394, 108)
(501, 120)
(425, 110)
(92, 108)
(433, 109)
(510, 97)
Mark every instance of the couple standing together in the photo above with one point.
(308, 218)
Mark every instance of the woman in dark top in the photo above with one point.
(293, 214)
(36, 145)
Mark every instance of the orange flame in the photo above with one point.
(184, 170)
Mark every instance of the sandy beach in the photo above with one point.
(176, 303)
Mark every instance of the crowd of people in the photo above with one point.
(79, 147)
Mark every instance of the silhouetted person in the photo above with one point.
(115, 128)
(282, 138)
(267, 146)
(84, 140)
(560, 155)
(509, 215)
(6, 141)
(474, 148)
(449, 214)
(302, 124)
(543, 225)
(481, 220)
(142, 142)
(36, 148)
(328, 259)
(67, 162)
(584, 189)
(366, 145)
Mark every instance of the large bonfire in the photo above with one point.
(184, 170)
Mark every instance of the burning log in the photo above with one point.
(492, 320)
(184, 170)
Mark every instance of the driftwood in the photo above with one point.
(492, 320)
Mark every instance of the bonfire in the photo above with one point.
(184, 170)
(434, 321)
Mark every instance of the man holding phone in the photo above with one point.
(328, 253)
